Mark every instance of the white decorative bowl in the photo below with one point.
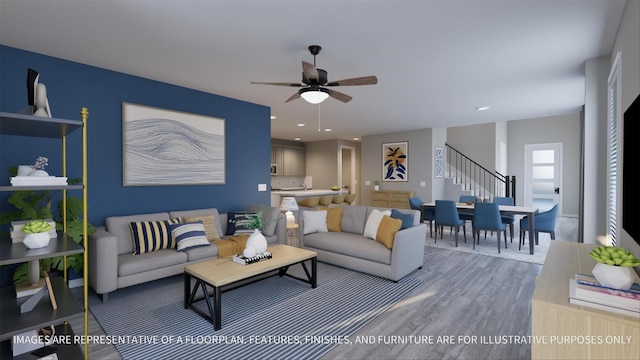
(37, 240)
(40, 173)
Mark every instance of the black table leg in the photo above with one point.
(217, 322)
(187, 289)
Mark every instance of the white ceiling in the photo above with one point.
(436, 61)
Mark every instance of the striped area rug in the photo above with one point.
(276, 318)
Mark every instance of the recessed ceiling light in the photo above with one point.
(301, 124)
(273, 117)
(327, 130)
(483, 108)
(297, 139)
(356, 138)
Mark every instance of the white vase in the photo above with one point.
(37, 240)
(376, 187)
(24, 170)
(257, 241)
(615, 277)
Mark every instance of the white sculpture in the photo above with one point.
(41, 101)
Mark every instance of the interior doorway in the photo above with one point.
(543, 175)
(347, 168)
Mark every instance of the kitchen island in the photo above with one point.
(277, 195)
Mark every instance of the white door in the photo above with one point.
(543, 175)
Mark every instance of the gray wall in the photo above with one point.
(563, 129)
(627, 42)
(419, 158)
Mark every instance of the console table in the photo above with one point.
(560, 329)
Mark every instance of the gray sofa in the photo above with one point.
(351, 249)
(112, 264)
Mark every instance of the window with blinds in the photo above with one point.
(613, 118)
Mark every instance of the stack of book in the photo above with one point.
(17, 235)
(241, 259)
(38, 180)
(585, 290)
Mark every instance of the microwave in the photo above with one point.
(274, 169)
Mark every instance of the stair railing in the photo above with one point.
(474, 177)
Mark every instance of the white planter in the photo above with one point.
(615, 277)
(257, 241)
(376, 187)
(37, 240)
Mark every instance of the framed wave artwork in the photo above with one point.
(166, 147)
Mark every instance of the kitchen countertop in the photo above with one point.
(314, 192)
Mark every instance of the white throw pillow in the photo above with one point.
(373, 222)
(315, 221)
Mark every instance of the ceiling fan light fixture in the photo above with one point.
(314, 95)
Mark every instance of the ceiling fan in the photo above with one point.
(315, 82)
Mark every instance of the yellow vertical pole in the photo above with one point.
(85, 271)
(64, 201)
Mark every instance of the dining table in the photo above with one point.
(529, 211)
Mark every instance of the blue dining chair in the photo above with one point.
(428, 214)
(544, 222)
(506, 218)
(486, 216)
(447, 215)
(466, 215)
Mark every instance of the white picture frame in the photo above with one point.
(166, 147)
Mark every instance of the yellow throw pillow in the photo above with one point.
(387, 230)
(209, 225)
(334, 218)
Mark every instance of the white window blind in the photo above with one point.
(613, 114)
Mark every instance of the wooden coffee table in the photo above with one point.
(224, 275)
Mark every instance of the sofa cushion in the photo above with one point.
(209, 223)
(219, 219)
(201, 252)
(270, 216)
(129, 264)
(373, 222)
(314, 221)
(151, 235)
(118, 226)
(334, 217)
(353, 219)
(353, 245)
(387, 231)
(407, 219)
(189, 235)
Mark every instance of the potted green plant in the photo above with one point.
(614, 268)
(37, 234)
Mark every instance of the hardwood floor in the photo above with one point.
(464, 298)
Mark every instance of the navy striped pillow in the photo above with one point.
(189, 235)
(152, 235)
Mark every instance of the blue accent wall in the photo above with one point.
(72, 85)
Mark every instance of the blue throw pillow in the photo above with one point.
(407, 219)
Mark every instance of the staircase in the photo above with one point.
(466, 177)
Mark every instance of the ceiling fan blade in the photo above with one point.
(293, 97)
(364, 80)
(309, 71)
(340, 96)
(277, 83)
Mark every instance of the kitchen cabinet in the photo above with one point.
(290, 161)
(13, 321)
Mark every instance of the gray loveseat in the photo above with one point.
(112, 264)
(351, 249)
